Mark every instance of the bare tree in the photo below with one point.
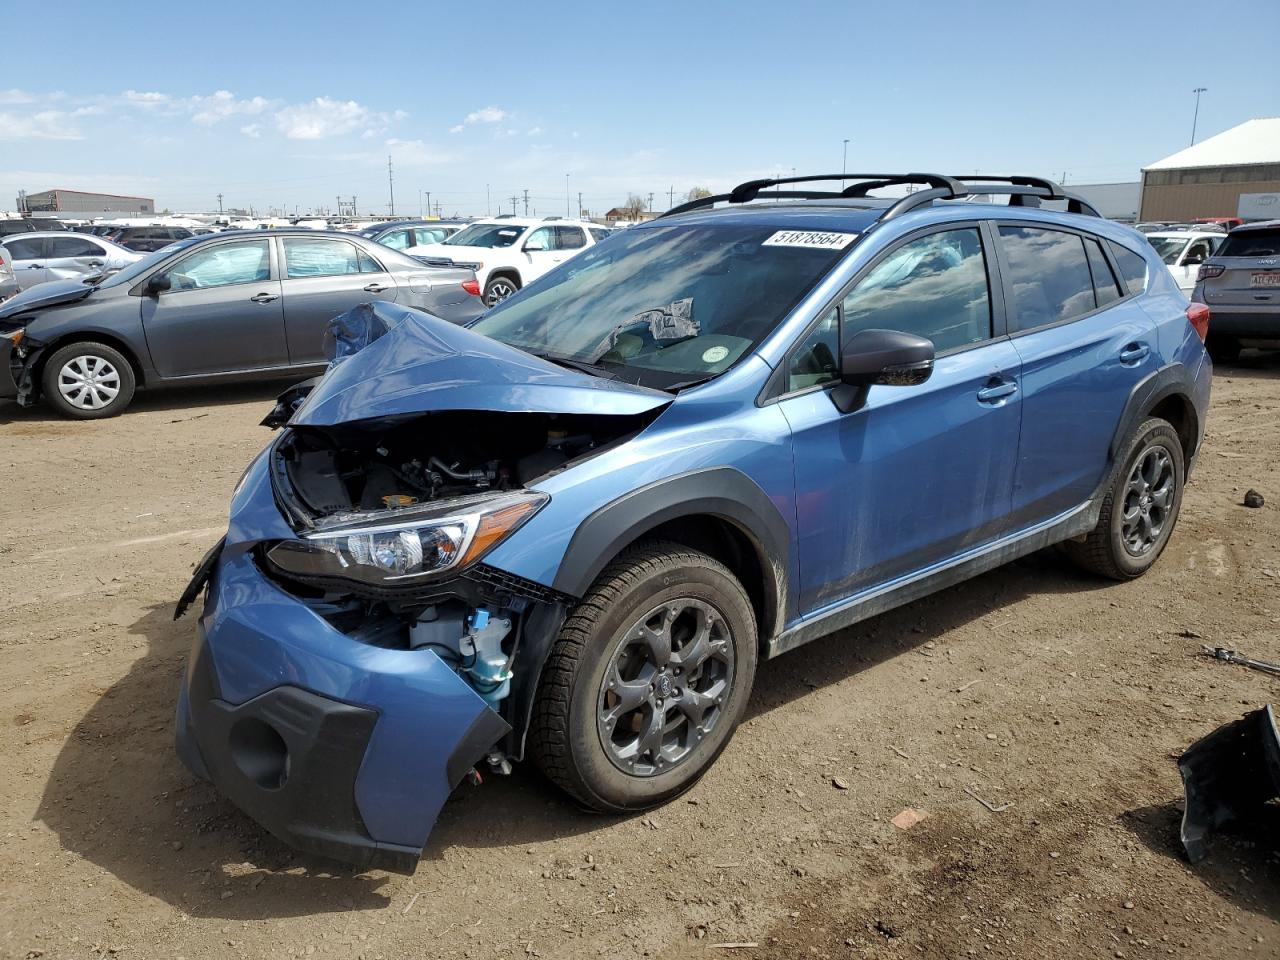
(697, 193)
(634, 206)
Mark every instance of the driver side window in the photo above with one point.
(248, 261)
(816, 360)
(542, 237)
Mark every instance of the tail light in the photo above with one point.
(1198, 314)
(472, 286)
(1208, 271)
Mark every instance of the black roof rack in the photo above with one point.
(1021, 190)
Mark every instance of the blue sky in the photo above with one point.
(295, 104)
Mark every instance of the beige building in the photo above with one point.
(1210, 178)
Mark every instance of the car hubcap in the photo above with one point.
(88, 382)
(665, 686)
(1148, 501)
(499, 290)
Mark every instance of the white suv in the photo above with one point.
(508, 252)
(1184, 251)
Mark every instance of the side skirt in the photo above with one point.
(877, 600)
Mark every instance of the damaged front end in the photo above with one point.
(357, 658)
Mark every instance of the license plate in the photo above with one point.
(1269, 279)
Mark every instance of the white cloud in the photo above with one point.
(252, 130)
(320, 118)
(489, 114)
(415, 152)
(44, 125)
(14, 97)
(533, 132)
(148, 98)
(223, 104)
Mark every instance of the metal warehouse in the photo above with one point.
(1232, 174)
(77, 201)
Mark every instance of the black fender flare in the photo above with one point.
(721, 492)
(1170, 380)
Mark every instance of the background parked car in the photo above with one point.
(1184, 250)
(27, 225)
(402, 234)
(8, 283)
(232, 306)
(38, 257)
(1241, 285)
(508, 252)
(147, 238)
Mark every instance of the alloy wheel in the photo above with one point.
(1148, 500)
(498, 291)
(89, 382)
(665, 686)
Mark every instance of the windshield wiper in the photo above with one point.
(580, 365)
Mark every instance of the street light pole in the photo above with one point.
(1196, 116)
(566, 195)
(844, 163)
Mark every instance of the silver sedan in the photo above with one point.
(41, 256)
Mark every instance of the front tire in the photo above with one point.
(88, 381)
(499, 288)
(1141, 508)
(648, 680)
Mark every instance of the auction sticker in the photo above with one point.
(819, 239)
(715, 354)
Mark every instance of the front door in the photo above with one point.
(28, 255)
(325, 277)
(541, 253)
(221, 313)
(918, 474)
(73, 256)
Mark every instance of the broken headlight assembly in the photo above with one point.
(407, 545)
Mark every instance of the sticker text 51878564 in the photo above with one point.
(818, 239)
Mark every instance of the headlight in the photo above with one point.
(404, 546)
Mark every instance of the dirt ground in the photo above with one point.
(1059, 700)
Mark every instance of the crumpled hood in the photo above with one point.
(45, 295)
(422, 364)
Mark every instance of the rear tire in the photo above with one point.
(88, 381)
(1140, 509)
(648, 680)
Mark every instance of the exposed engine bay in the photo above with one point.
(390, 516)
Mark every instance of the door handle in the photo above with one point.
(374, 288)
(264, 297)
(35, 266)
(997, 390)
(1134, 352)
(95, 263)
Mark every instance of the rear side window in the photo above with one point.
(1050, 276)
(25, 249)
(1251, 243)
(934, 286)
(73, 247)
(570, 238)
(597, 235)
(323, 258)
(1133, 268)
(1104, 281)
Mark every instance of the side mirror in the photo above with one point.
(158, 285)
(1194, 260)
(886, 357)
(535, 245)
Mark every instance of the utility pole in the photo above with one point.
(844, 163)
(513, 206)
(1196, 116)
(353, 207)
(671, 197)
(579, 203)
(391, 187)
(526, 202)
(428, 203)
(651, 203)
(219, 204)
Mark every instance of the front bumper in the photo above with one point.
(8, 383)
(337, 747)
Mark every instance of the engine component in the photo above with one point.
(472, 645)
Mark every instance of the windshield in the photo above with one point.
(1168, 247)
(134, 270)
(486, 235)
(663, 306)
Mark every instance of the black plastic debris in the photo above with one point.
(1228, 776)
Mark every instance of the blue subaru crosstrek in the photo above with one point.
(574, 530)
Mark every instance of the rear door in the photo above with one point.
(1251, 274)
(73, 256)
(28, 255)
(323, 277)
(1085, 344)
(222, 313)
